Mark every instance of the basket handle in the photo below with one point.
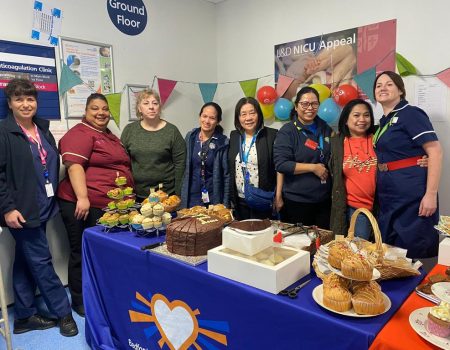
(373, 221)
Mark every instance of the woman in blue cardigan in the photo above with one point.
(206, 178)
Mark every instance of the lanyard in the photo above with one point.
(381, 131)
(42, 152)
(203, 156)
(245, 155)
(319, 146)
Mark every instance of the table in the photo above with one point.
(397, 334)
(126, 290)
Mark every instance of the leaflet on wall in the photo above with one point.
(47, 18)
(335, 58)
(93, 62)
(431, 96)
(36, 63)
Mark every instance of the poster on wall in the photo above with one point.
(132, 93)
(36, 63)
(335, 58)
(93, 62)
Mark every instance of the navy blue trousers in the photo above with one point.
(33, 268)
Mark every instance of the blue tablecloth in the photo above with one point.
(135, 299)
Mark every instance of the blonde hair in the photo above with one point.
(142, 96)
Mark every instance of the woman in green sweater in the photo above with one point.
(156, 148)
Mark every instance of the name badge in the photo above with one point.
(49, 190)
(311, 144)
(205, 196)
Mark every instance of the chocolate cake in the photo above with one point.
(193, 236)
(251, 225)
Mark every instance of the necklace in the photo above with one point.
(353, 161)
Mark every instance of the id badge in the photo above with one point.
(311, 144)
(205, 196)
(49, 190)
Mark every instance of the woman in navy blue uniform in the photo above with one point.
(301, 153)
(206, 178)
(407, 193)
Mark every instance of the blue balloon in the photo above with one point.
(329, 111)
(283, 108)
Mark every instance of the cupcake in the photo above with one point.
(128, 190)
(157, 222)
(112, 205)
(337, 298)
(166, 218)
(124, 219)
(367, 298)
(132, 213)
(120, 180)
(130, 202)
(113, 221)
(136, 223)
(104, 219)
(147, 223)
(439, 320)
(158, 209)
(122, 205)
(115, 193)
(146, 209)
(337, 252)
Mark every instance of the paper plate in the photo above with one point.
(318, 298)
(418, 320)
(442, 291)
(375, 274)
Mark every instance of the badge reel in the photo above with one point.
(205, 196)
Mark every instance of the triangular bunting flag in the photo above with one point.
(114, 106)
(208, 91)
(165, 87)
(365, 82)
(444, 76)
(249, 87)
(68, 79)
(404, 67)
(283, 84)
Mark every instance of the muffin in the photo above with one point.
(157, 223)
(367, 298)
(166, 218)
(158, 209)
(120, 180)
(112, 205)
(337, 252)
(439, 320)
(147, 223)
(356, 267)
(122, 205)
(147, 209)
(128, 190)
(337, 298)
(124, 219)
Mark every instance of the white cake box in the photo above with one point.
(248, 244)
(444, 252)
(273, 279)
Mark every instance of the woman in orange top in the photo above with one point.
(353, 167)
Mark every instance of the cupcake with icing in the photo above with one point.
(158, 209)
(147, 223)
(157, 223)
(439, 320)
(112, 205)
(124, 219)
(147, 209)
(122, 205)
(166, 218)
(128, 190)
(120, 180)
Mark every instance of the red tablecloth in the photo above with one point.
(397, 334)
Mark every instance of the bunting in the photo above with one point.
(404, 67)
(208, 90)
(68, 79)
(365, 82)
(165, 88)
(444, 76)
(114, 106)
(249, 87)
(283, 84)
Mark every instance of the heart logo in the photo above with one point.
(176, 322)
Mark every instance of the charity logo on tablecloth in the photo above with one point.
(176, 323)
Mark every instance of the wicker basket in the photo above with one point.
(388, 268)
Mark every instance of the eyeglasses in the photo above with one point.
(306, 105)
(250, 114)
